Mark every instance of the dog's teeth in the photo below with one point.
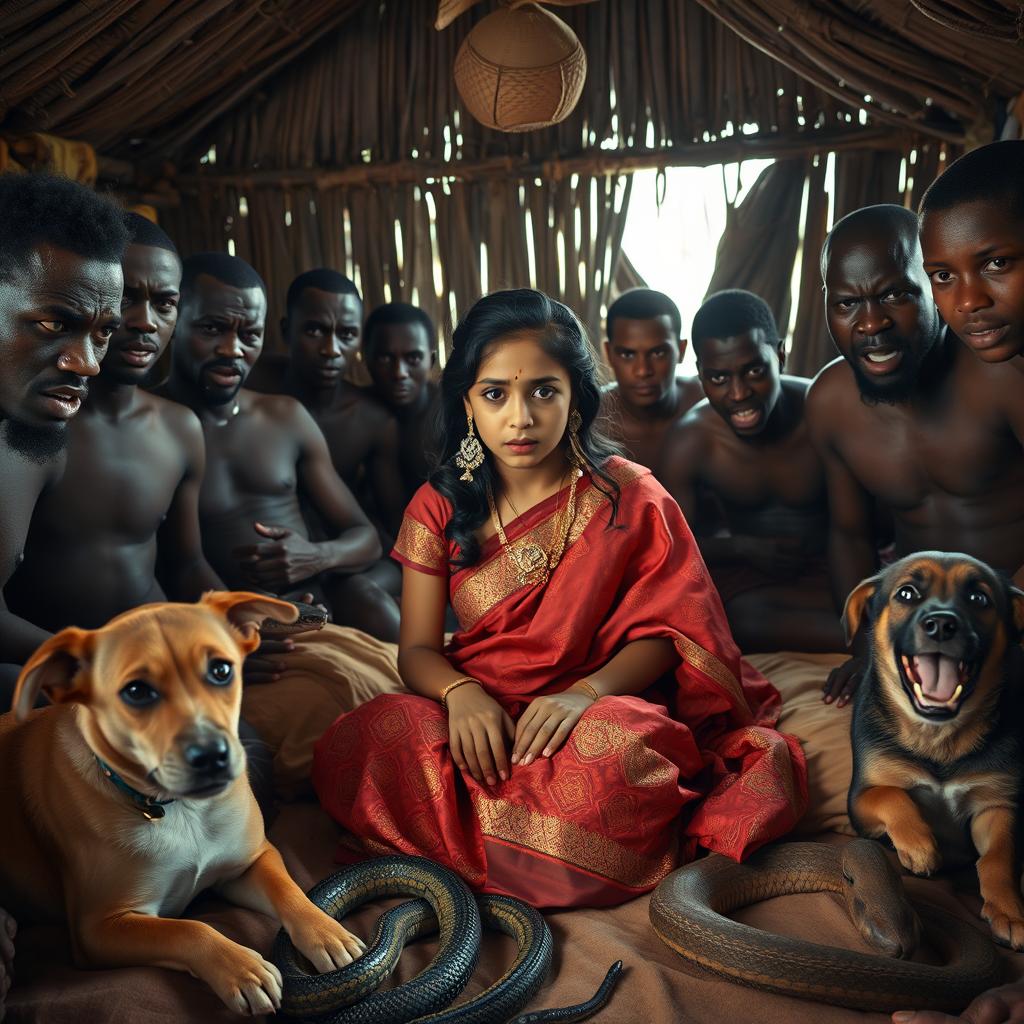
(956, 695)
(919, 693)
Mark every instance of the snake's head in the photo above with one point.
(876, 901)
(310, 617)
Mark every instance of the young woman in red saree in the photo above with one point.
(591, 724)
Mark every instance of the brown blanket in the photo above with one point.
(657, 988)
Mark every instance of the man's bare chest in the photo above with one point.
(243, 462)
(121, 480)
(905, 462)
(787, 475)
(350, 439)
(23, 483)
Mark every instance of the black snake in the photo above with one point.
(688, 908)
(311, 617)
(443, 902)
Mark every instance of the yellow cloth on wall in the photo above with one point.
(70, 157)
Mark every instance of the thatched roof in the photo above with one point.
(143, 76)
(145, 79)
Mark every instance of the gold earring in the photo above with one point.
(471, 452)
(576, 457)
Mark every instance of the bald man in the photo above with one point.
(908, 417)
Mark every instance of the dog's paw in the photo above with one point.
(1006, 919)
(325, 943)
(244, 981)
(918, 853)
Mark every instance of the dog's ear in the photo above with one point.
(245, 611)
(58, 669)
(1017, 608)
(856, 603)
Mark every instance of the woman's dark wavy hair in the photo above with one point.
(562, 336)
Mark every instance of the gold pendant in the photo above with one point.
(532, 562)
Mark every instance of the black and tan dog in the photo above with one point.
(937, 734)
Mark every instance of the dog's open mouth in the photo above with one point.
(937, 684)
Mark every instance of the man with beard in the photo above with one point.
(60, 293)
(908, 417)
(134, 468)
(321, 327)
(265, 454)
(748, 444)
(60, 289)
(643, 348)
(400, 351)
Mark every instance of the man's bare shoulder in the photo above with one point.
(690, 393)
(282, 409)
(1000, 380)
(796, 385)
(795, 389)
(834, 383)
(695, 427)
(178, 418)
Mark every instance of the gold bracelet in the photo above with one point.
(451, 686)
(584, 685)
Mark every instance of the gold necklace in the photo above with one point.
(533, 564)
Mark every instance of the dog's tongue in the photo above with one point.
(938, 674)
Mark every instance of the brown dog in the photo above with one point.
(938, 756)
(129, 797)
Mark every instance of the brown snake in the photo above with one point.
(688, 907)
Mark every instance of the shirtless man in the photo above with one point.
(908, 416)
(60, 289)
(748, 444)
(972, 239)
(643, 348)
(321, 327)
(134, 468)
(265, 454)
(400, 352)
(60, 295)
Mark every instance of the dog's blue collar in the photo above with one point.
(151, 808)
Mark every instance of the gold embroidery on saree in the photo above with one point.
(776, 772)
(426, 784)
(491, 583)
(416, 543)
(569, 842)
(595, 739)
(706, 662)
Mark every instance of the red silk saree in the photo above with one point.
(640, 784)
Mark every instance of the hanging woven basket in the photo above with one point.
(520, 68)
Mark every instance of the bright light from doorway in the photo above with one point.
(673, 244)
